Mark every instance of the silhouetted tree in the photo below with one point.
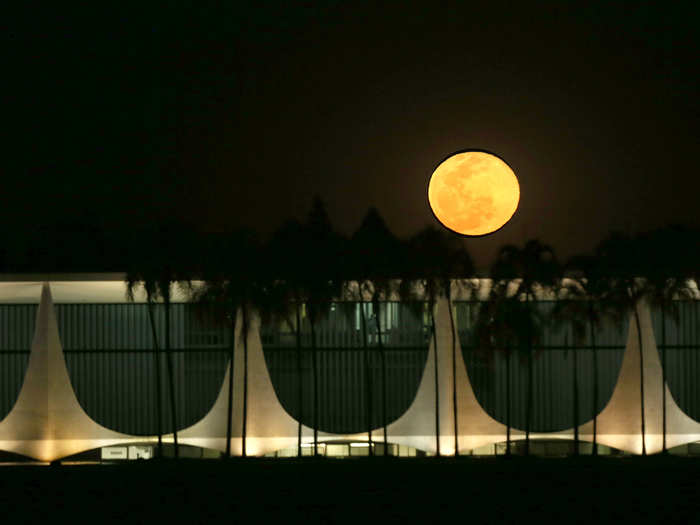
(164, 264)
(623, 260)
(524, 274)
(288, 277)
(375, 254)
(236, 283)
(453, 268)
(417, 284)
(355, 291)
(321, 282)
(505, 324)
(578, 303)
(437, 263)
(571, 315)
(667, 252)
(147, 279)
(492, 333)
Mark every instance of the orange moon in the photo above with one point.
(473, 193)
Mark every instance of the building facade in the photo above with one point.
(79, 372)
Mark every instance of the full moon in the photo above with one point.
(473, 193)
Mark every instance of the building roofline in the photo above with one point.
(62, 277)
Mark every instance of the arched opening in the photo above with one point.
(348, 449)
(545, 448)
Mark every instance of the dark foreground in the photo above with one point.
(468, 490)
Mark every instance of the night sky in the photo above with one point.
(223, 117)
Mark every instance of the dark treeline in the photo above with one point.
(86, 245)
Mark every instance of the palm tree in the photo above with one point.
(416, 274)
(148, 281)
(235, 282)
(562, 317)
(578, 304)
(286, 240)
(493, 332)
(289, 273)
(437, 260)
(667, 279)
(355, 290)
(573, 316)
(353, 295)
(529, 272)
(165, 280)
(375, 252)
(157, 278)
(458, 269)
(320, 282)
(624, 262)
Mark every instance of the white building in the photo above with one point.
(79, 374)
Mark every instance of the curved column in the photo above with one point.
(269, 426)
(47, 422)
(417, 427)
(620, 422)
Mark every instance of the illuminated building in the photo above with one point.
(78, 374)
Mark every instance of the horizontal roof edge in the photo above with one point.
(62, 277)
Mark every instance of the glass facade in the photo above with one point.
(109, 352)
(110, 357)
(500, 378)
(350, 373)
(16, 333)
(677, 334)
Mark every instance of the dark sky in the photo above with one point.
(236, 116)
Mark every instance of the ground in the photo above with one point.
(367, 490)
